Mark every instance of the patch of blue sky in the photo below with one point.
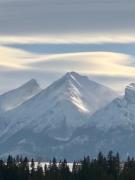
(70, 48)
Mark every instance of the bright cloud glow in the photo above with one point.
(107, 64)
(82, 38)
(14, 58)
(95, 63)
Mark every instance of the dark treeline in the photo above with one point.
(103, 167)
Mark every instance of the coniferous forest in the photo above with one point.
(108, 167)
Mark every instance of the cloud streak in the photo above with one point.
(95, 63)
(69, 39)
(46, 68)
(14, 58)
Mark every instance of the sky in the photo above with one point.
(44, 39)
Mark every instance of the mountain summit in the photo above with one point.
(130, 93)
(119, 113)
(16, 97)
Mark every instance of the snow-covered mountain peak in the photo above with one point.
(31, 84)
(130, 93)
(81, 91)
(73, 76)
(131, 86)
(119, 113)
(72, 73)
(69, 78)
(16, 97)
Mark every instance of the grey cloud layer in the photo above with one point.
(62, 16)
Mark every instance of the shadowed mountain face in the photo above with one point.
(48, 120)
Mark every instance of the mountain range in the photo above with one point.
(74, 116)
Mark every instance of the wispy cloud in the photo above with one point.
(94, 63)
(108, 65)
(14, 58)
(69, 39)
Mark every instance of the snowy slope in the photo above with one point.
(71, 118)
(110, 128)
(16, 97)
(120, 112)
(59, 109)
